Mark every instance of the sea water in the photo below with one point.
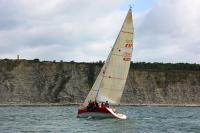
(62, 119)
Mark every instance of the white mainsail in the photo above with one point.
(111, 80)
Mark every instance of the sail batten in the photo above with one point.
(114, 78)
(111, 80)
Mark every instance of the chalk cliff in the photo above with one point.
(31, 81)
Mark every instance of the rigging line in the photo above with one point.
(102, 71)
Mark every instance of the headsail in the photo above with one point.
(111, 80)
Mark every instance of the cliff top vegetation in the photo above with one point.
(136, 65)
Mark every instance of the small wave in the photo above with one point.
(144, 118)
(181, 117)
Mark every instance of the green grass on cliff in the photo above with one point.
(10, 64)
(166, 66)
(161, 66)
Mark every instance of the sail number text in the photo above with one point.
(128, 45)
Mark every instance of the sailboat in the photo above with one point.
(110, 82)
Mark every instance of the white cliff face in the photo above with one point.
(30, 82)
(46, 82)
(162, 87)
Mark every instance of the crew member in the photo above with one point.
(102, 105)
(96, 105)
(90, 106)
(106, 104)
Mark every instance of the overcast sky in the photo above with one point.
(85, 30)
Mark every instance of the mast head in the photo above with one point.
(130, 7)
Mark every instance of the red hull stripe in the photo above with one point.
(100, 110)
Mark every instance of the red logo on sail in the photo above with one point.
(127, 56)
(128, 45)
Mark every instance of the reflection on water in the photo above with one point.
(63, 120)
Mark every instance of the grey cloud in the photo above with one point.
(85, 30)
(169, 32)
(52, 30)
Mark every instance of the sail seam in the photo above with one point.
(126, 32)
(111, 89)
(117, 54)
